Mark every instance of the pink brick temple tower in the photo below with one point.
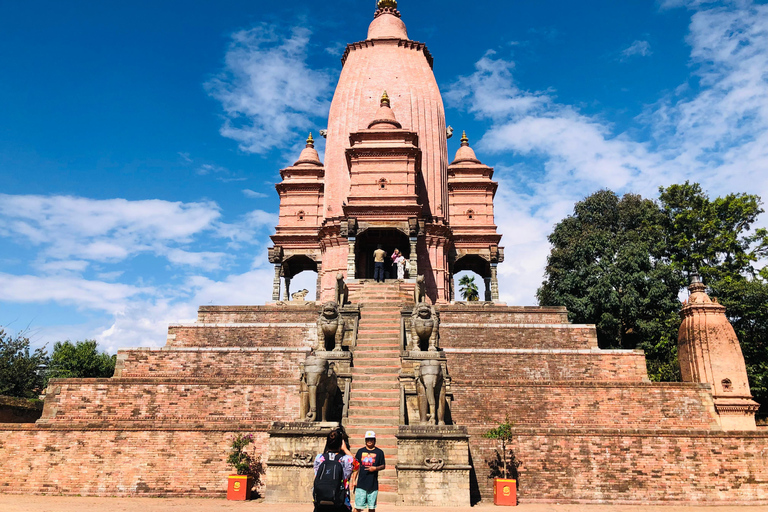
(386, 178)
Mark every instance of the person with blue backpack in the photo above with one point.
(333, 469)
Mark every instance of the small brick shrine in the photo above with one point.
(428, 374)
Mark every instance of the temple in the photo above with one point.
(431, 375)
(387, 179)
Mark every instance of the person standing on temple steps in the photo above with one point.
(371, 462)
(378, 259)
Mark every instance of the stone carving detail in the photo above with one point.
(300, 296)
(330, 327)
(319, 383)
(302, 459)
(425, 326)
(342, 292)
(275, 254)
(434, 464)
(431, 378)
(420, 291)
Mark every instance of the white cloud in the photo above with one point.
(252, 194)
(714, 132)
(637, 48)
(102, 230)
(70, 290)
(268, 91)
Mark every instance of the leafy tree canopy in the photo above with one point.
(21, 370)
(80, 360)
(621, 263)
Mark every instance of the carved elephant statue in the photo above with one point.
(320, 383)
(431, 376)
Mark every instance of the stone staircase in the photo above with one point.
(375, 394)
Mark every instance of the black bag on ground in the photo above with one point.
(328, 490)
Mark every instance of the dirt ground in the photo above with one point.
(20, 503)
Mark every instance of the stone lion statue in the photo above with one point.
(424, 327)
(330, 327)
(300, 296)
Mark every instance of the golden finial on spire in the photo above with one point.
(384, 99)
(383, 4)
(310, 141)
(464, 139)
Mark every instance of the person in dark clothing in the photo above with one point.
(371, 461)
(337, 448)
(378, 263)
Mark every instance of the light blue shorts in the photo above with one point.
(365, 499)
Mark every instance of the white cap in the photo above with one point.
(370, 434)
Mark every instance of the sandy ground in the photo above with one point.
(19, 503)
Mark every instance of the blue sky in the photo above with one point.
(140, 141)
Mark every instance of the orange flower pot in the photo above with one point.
(239, 487)
(504, 492)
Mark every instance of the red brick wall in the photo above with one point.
(108, 462)
(502, 335)
(466, 366)
(154, 403)
(584, 404)
(503, 314)
(243, 363)
(245, 335)
(641, 466)
(258, 314)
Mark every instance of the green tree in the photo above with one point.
(79, 360)
(715, 238)
(468, 288)
(606, 267)
(21, 370)
(712, 236)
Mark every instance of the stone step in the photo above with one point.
(372, 336)
(363, 394)
(373, 421)
(375, 408)
(386, 375)
(376, 343)
(375, 385)
(369, 353)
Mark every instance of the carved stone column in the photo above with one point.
(488, 295)
(351, 274)
(414, 260)
(494, 282)
(276, 282)
(319, 280)
(287, 288)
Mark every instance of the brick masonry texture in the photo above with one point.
(136, 401)
(108, 462)
(589, 426)
(585, 404)
(278, 364)
(581, 465)
(548, 365)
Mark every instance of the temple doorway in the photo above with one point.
(300, 277)
(476, 268)
(369, 240)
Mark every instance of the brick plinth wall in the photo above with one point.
(574, 404)
(119, 462)
(467, 365)
(276, 362)
(630, 466)
(154, 402)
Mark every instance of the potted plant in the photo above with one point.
(249, 469)
(504, 466)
